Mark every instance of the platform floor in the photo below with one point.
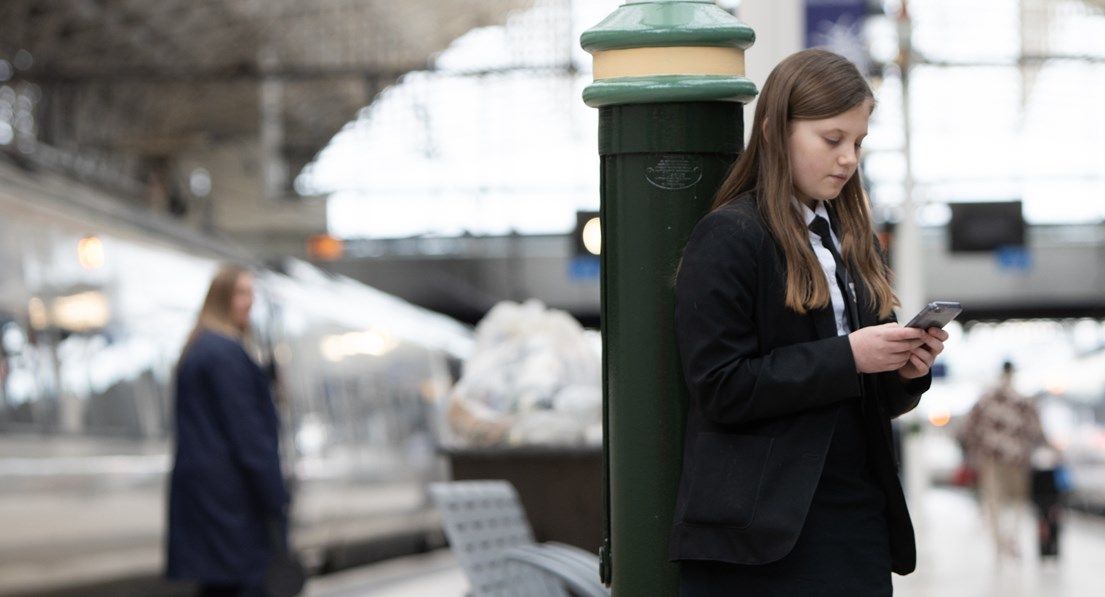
(955, 559)
(433, 574)
(956, 555)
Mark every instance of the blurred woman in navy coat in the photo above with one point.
(227, 499)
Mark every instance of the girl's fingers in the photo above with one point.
(901, 352)
(925, 356)
(904, 345)
(918, 362)
(897, 333)
(933, 345)
(938, 333)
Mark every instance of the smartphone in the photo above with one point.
(936, 314)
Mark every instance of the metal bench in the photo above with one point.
(493, 543)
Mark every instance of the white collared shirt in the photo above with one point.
(828, 264)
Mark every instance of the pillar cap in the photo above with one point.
(652, 23)
(705, 61)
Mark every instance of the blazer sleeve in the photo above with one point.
(254, 443)
(901, 396)
(716, 330)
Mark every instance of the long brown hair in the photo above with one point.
(215, 315)
(809, 85)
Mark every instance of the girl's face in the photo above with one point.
(824, 153)
(242, 301)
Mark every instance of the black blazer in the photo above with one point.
(765, 387)
(226, 487)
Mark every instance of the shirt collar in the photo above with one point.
(811, 214)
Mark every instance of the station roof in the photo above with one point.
(156, 78)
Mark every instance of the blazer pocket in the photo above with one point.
(726, 478)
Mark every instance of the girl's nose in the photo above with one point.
(848, 157)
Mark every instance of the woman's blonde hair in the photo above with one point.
(809, 85)
(215, 315)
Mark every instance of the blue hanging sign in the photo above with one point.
(1014, 258)
(837, 26)
(584, 267)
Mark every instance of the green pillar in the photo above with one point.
(670, 87)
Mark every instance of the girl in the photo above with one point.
(793, 360)
(227, 499)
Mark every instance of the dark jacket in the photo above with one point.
(226, 486)
(765, 386)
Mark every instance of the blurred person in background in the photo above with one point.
(999, 435)
(227, 498)
(1048, 485)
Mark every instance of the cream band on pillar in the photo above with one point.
(646, 62)
(657, 51)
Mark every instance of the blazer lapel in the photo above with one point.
(863, 305)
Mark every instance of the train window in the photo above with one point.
(113, 412)
(99, 382)
(27, 397)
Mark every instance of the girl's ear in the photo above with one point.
(764, 125)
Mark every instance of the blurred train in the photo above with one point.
(95, 302)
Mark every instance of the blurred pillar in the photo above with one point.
(669, 85)
(274, 172)
(908, 252)
(908, 257)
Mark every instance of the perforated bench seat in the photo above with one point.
(492, 541)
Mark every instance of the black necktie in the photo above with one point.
(820, 227)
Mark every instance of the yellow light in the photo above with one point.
(592, 236)
(90, 252)
(371, 343)
(940, 418)
(82, 312)
(324, 247)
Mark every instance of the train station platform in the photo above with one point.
(955, 559)
(956, 555)
(435, 573)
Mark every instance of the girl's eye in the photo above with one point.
(832, 141)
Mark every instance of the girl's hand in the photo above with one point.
(921, 359)
(886, 347)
